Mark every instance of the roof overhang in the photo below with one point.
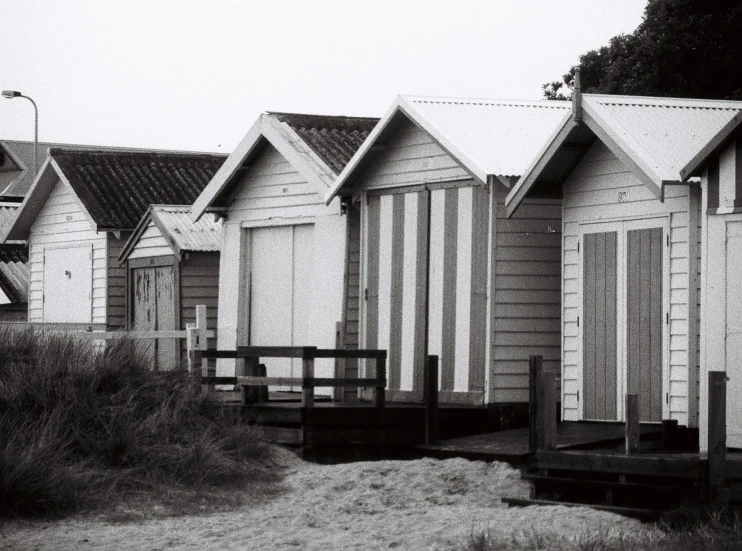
(401, 108)
(610, 133)
(722, 138)
(41, 188)
(285, 141)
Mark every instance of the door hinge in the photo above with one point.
(365, 294)
(578, 321)
(667, 397)
(578, 246)
(667, 318)
(578, 395)
(668, 239)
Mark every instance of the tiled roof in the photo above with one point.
(117, 187)
(175, 221)
(333, 139)
(665, 132)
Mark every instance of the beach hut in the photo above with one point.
(14, 270)
(719, 166)
(631, 251)
(284, 261)
(172, 265)
(79, 212)
(443, 271)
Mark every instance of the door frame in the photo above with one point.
(90, 246)
(622, 227)
(152, 262)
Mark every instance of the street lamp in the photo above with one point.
(10, 94)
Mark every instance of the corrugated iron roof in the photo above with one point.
(333, 138)
(14, 272)
(118, 187)
(175, 222)
(500, 136)
(666, 132)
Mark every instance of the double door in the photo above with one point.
(624, 318)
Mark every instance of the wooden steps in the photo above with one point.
(635, 512)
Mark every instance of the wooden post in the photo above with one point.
(717, 435)
(250, 367)
(430, 395)
(548, 411)
(533, 362)
(380, 390)
(195, 360)
(307, 396)
(632, 423)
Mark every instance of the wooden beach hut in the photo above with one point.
(443, 271)
(719, 166)
(172, 265)
(631, 251)
(13, 270)
(284, 266)
(79, 212)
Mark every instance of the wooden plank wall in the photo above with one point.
(62, 221)
(199, 281)
(351, 314)
(527, 294)
(591, 194)
(116, 301)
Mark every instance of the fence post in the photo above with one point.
(631, 432)
(195, 360)
(380, 390)
(547, 398)
(307, 396)
(717, 435)
(430, 396)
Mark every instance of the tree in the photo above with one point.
(682, 48)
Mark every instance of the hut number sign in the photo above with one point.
(623, 196)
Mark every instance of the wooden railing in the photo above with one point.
(308, 382)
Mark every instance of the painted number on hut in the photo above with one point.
(623, 196)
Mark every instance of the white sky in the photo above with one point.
(184, 74)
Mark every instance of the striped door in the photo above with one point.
(644, 320)
(600, 317)
(396, 290)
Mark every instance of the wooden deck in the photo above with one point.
(512, 445)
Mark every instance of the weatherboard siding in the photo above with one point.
(527, 293)
(61, 222)
(591, 195)
(199, 285)
(151, 243)
(411, 157)
(116, 282)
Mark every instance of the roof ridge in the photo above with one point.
(658, 101)
(489, 101)
(135, 153)
(348, 117)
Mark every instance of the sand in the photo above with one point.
(421, 504)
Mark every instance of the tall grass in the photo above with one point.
(80, 427)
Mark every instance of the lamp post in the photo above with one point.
(10, 94)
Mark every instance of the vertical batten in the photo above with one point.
(421, 291)
(450, 242)
(396, 296)
(478, 315)
(463, 287)
(385, 270)
(435, 296)
(409, 286)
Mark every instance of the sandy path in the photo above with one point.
(423, 504)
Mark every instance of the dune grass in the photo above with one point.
(82, 428)
(686, 529)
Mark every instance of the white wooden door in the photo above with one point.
(68, 284)
(281, 260)
(734, 333)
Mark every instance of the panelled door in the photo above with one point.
(281, 265)
(154, 309)
(68, 284)
(455, 292)
(623, 323)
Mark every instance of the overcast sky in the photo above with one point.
(194, 75)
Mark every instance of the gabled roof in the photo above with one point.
(14, 271)
(317, 146)
(175, 225)
(489, 138)
(115, 188)
(654, 137)
(695, 166)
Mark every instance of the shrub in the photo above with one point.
(80, 426)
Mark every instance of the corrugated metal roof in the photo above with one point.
(118, 187)
(175, 221)
(14, 269)
(666, 132)
(334, 139)
(500, 136)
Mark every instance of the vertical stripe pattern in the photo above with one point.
(448, 338)
(409, 289)
(372, 276)
(395, 294)
(478, 316)
(463, 287)
(435, 295)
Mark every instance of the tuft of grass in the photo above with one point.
(685, 529)
(82, 427)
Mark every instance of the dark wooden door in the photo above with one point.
(644, 320)
(154, 310)
(600, 326)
